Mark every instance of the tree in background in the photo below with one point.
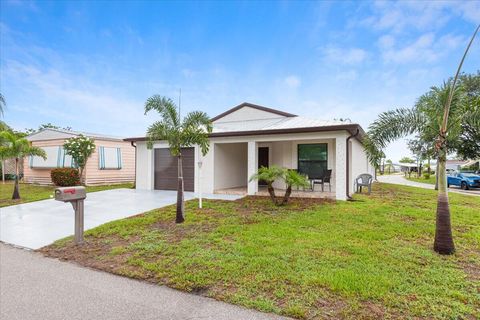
(46, 126)
(80, 149)
(15, 147)
(389, 166)
(406, 160)
(442, 110)
(192, 130)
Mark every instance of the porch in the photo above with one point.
(235, 162)
(262, 191)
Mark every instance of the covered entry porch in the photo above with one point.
(236, 161)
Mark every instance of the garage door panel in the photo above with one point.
(166, 169)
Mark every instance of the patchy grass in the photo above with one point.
(367, 259)
(32, 192)
(430, 180)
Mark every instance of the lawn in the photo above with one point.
(367, 259)
(430, 180)
(32, 192)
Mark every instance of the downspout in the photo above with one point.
(349, 198)
(135, 176)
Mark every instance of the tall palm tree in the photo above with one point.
(14, 147)
(2, 104)
(179, 133)
(442, 110)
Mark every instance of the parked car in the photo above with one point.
(464, 180)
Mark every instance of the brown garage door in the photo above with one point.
(166, 169)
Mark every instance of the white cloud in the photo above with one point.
(425, 49)
(350, 75)
(292, 81)
(348, 56)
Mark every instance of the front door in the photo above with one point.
(262, 161)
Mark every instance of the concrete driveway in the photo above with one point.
(37, 224)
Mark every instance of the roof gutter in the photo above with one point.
(351, 128)
(349, 198)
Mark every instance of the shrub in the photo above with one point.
(426, 175)
(65, 177)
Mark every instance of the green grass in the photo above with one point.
(367, 259)
(32, 192)
(430, 180)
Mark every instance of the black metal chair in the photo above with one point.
(326, 178)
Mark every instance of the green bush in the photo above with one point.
(65, 177)
(426, 175)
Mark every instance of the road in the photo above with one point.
(400, 179)
(34, 287)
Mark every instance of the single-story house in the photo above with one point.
(112, 162)
(249, 136)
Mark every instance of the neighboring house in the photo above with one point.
(112, 162)
(249, 136)
(455, 164)
(8, 166)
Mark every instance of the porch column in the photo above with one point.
(252, 167)
(340, 168)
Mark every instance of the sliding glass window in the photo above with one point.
(312, 159)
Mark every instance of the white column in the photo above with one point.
(340, 168)
(252, 167)
(150, 170)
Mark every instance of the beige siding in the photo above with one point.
(110, 176)
(93, 175)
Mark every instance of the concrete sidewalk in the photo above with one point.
(400, 179)
(34, 287)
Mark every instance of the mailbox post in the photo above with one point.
(74, 195)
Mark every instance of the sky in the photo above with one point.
(91, 65)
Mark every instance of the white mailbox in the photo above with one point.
(74, 195)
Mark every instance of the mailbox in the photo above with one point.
(70, 194)
(74, 195)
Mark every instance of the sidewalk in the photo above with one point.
(34, 287)
(400, 179)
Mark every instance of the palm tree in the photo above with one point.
(2, 104)
(293, 179)
(442, 110)
(17, 148)
(192, 130)
(269, 175)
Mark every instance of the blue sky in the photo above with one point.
(91, 65)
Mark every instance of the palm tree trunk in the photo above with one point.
(271, 192)
(16, 192)
(180, 199)
(443, 231)
(286, 197)
(436, 177)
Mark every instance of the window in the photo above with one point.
(312, 159)
(56, 158)
(109, 158)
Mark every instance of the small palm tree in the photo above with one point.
(269, 175)
(293, 179)
(17, 148)
(192, 130)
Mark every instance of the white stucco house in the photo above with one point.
(249, 136)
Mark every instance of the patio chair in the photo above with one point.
(363, 180)
(326, 178)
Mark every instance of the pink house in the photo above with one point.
(112, 162)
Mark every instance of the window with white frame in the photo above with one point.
(109, 158)
(56, 158)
